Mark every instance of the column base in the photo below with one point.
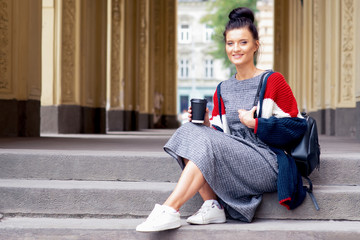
(339, 122)
(115, 120)
(146, 121)
(19, 118)
(168, 122)
(72, 119)
(121, 120)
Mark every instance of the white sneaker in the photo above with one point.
(210, 212)
(161, 218)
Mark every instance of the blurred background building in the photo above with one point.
(265, 23)
(198, 72)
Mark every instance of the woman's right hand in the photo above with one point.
(206, 119)
(190, 115)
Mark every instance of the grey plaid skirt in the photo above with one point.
(238, 169)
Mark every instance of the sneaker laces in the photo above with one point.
(157, 212)
(204, 209)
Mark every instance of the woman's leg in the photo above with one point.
(205, 191)
(191, 181)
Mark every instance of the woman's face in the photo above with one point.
(240, 46)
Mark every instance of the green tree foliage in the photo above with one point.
(217, 18)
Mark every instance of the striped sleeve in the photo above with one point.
(216, 118)
(281, 123)
(279, 101)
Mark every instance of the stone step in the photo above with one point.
(99, 198)
(88, 165)
(119, 199)
(335, 168)
(338, 169)
(107, 229)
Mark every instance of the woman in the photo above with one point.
(231, 161)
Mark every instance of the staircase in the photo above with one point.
(102, 186)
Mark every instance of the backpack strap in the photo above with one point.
(257, 95)
(310, 192)
(218, 92)
(256, 99)
(263, 88)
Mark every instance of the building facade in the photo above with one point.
(265, 25)
(198, 72)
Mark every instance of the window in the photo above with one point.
(184, 35)
(184, 68)
(209, 68)
(184, 103)
(209, 31)
(210, 103)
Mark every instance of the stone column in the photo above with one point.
(20, 67)
(357, 64)
(76, 88)
(281, 37)
(170, 80)
(346, 91)
(146, 63)
(141, 64)
(61, 111)
(131, 114)
(164, 64)
(115, 77)
(142, 73)
(93, 33)
(157, 60)
(295, 50)
(324, 73)
(332, 63)
(345, 96)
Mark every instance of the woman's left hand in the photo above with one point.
(247, 117)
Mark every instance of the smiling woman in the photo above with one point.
(242, 42)
(241, 48)
(233, 158)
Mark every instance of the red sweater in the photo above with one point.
(278, 101)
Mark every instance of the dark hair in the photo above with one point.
(239, 18)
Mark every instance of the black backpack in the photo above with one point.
(307, 154)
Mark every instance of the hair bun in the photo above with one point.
(242, 12)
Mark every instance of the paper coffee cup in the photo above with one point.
(198, 108)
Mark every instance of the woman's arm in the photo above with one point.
(281, 132)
